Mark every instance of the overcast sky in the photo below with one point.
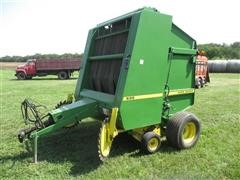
(54, 26)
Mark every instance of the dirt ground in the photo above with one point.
(9, 65)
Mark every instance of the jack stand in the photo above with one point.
(35, 149)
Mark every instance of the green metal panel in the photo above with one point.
(149, 66)
(147, 70)
(183, 51)
(126, 59)
(182, 73)
(83, 67)
(102, 98)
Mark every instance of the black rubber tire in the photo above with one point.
(21, 76)
(198, 83)
(203, 82)
(145, 141)
(62, 75)
(68, 75)
(175, 128)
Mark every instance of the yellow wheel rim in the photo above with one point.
(189, 132)
(104, 142)
(153, 144)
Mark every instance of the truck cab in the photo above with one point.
(26, 70)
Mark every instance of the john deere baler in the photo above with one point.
(137, 76)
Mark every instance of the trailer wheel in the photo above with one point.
(21, 75)
(183, 130)
(151, 142)
(203, 82)
(198, 83)
(62, 75)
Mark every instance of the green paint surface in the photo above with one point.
(149, 66)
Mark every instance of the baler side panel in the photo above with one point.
(126, 59)
(182, 72)
(146, 74)
(84, 66)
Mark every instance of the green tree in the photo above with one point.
(221, 51)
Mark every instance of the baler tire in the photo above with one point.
(62, 75)
(21, 76)
(151, 142)
(183, 130)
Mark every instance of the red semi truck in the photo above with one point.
(42, 67)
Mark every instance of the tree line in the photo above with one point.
(40, 56)
(212, 50)
(221, 51)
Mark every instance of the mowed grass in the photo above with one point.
(68, 154)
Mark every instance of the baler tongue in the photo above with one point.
(55, 119)
(73, 112)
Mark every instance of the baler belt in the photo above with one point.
(110, 45)
(104, 75)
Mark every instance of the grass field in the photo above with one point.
(72, 153)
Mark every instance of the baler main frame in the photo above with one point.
(137, 74)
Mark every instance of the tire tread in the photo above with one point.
(173, 126)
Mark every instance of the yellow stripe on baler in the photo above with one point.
(146, 96)
(157, 95)
(181, 91)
